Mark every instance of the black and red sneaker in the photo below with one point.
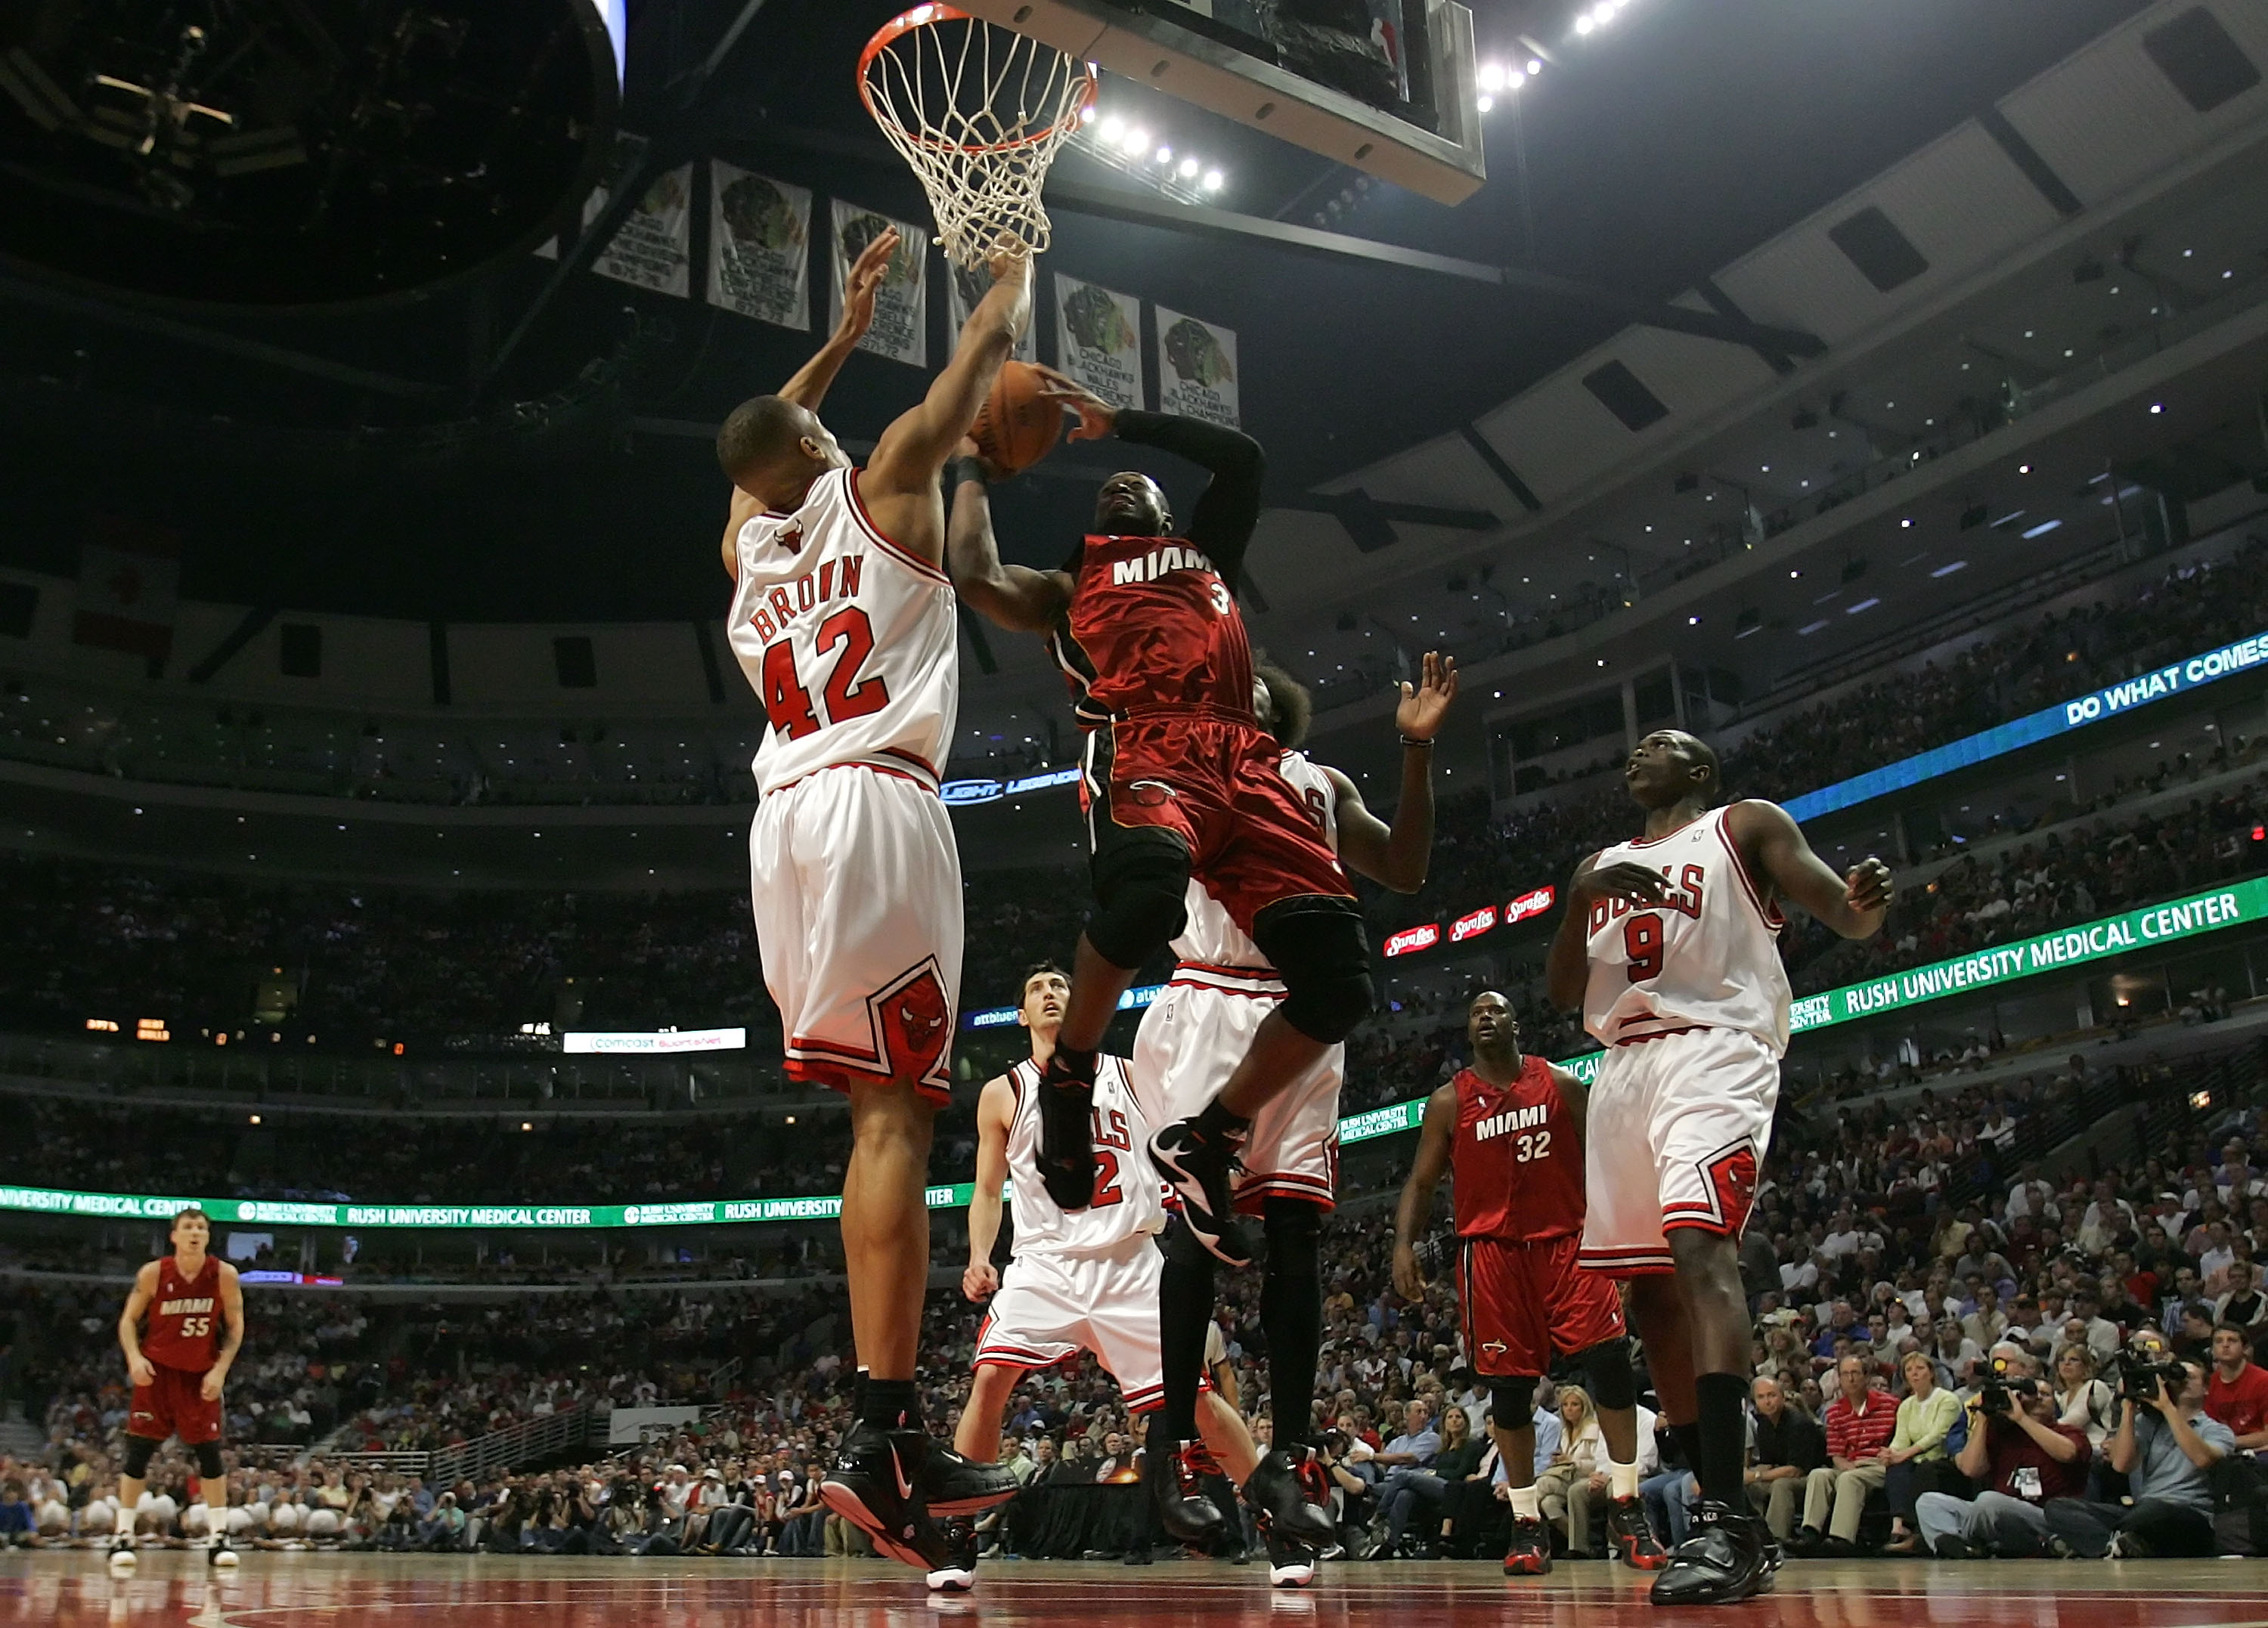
(1630, 1536)
(1175, 1479)
(1197, 1169)
(875, 1484)
(1066, 1155)
(1282, 1500)
(1530, 1552)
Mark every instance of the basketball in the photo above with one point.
(1017, 426)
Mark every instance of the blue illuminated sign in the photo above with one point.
(994, 1017)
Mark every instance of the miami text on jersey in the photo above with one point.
(1511, 1119)
(1150, 567)
(185, 1308)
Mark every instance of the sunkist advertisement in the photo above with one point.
(2239, 903)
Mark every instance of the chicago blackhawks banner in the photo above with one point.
(652, 247)
(964, 287)
(759, 246)
(901, 329)
(1099, 340)
(1196, 369)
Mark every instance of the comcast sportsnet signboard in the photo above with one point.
(2233, 905)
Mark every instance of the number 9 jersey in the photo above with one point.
(851, 641)
(1706, 957)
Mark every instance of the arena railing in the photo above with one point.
(548, 1436)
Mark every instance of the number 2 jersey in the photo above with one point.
(1707, 957)
(1129, 1197)
(1516, 1163)
(851, 642)
(180, 1330)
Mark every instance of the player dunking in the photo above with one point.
(1222, 990)
(1509, 1131)
(179, 1364)
(1180, 782)
(1670, 947)
(844, 622)
(1087, 1280)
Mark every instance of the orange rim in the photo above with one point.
(921, 17)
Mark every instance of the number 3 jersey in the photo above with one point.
(1706, 957)
(851, 641)
(1129, 1197)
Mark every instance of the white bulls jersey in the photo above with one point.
(1211, 939)
(1707, 957)
(851, 642)
(1129, 1197)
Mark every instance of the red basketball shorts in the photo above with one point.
(1519, 1304)
(1214, 782)
(173, 1406)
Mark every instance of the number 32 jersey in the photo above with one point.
(1707, 957)
(851, 641)
(1516, 1163)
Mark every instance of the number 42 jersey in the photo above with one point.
(850, 639)
(1707, 957)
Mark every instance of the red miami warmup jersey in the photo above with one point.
(1153, 625)
(1516, 1163)
(181, 1327)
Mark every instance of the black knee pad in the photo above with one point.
(1513, 1401)
(140, 1451)
(1612, 1382)
(1320, 949)
(1141, 898)
(209, 1465)
(1294, 1231)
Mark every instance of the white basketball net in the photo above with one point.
(979, 113)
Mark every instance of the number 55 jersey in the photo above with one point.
(1706, 957)
(850, 642)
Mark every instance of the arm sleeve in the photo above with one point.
(1222, 523)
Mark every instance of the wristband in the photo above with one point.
(962, 469)
(1426, 745)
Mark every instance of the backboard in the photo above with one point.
(1398, 102)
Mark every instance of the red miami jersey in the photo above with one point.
(1515, 1162)
(1152, 626)
(182, 1322)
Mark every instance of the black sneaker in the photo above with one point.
(219, 1552)
(958, 1573)
(1952, 1546)
(1175, 1480)
(1276, 1493)
(1530, 1552)
(1727, 1559)
(1291, 1563)
(1630, 1536)
(954, 1485)
(875, 1484)
(1197, 1169)
(1066, 1155)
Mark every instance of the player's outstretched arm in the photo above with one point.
(139, 1367)
(1396, 856)
(1016, 597)
(904, 468)
(864, 280)
(1426, 1169)
(1222, 521)
(996, 1107)
(1852, 906)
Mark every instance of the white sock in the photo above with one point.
(1622, 1480)
(1524, 1506)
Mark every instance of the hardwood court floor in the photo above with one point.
(75, 1590)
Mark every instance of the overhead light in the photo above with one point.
(1213, 180)
(1692, 622)
(1484, 103)
(1113, 127)
(1809, 628)
(2023, 469)
(1086, 113)
(2157, 406)
(2043, 528)
(1947, 570)
(1489, 77)
(1135, 142)
(1189, 167)
(1863, 604)
(1533, 67)
(1905, 525)
(1164, 155)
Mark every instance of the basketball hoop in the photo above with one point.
(979, 113)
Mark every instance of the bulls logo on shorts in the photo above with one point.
(914, 1021)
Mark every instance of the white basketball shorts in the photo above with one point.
(857, 888)
(1677, 1129)
(1050, 1306)
(1192, 1038)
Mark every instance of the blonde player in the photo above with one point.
(1204, 1022)
(843, 622)
(1669, 946)
(1087, 1279)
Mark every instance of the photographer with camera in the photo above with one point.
(2024, 1454)
(2167, 1447)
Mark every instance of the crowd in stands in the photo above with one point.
(1936, 1320)
(1479, 859)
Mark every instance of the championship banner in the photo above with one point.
(653, 246)
(759, 246)
(2239, 903)
(128, 575)
(1196, 369)
(963, 288)
(1099, 340)
(901, 327)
